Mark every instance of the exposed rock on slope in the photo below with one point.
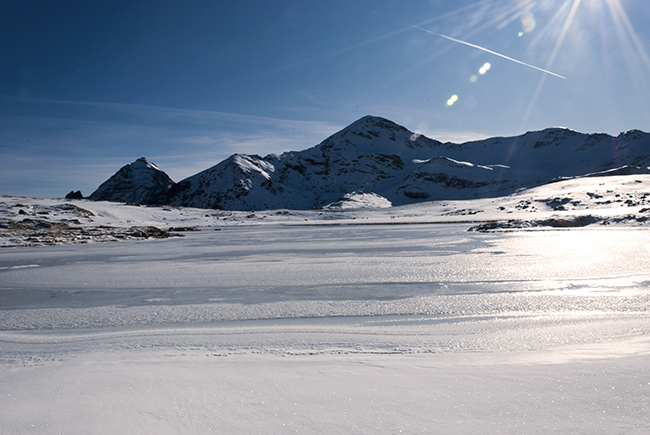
(140, 182)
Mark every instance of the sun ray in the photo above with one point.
(623, 23)
(636, 58)
(454, 12)
(498, 19)
(565, 29)
(426, 60)
(556, 17)
(551, 60)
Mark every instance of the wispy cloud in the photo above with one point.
(105, 136)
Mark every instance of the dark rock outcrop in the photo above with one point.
(74, 195)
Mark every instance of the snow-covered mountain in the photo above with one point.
(141, 182)
(375, 155)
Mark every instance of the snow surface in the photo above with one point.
(329, 321)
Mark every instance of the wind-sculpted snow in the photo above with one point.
(337, 329)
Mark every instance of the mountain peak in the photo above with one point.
(374, 123)
(141, 182)
(376, 135)
(143, 163)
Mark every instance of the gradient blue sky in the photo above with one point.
(88, 86)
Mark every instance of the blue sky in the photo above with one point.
(88, 86)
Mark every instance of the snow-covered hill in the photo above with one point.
(376, 156)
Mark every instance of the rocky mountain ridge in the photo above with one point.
(376, 156)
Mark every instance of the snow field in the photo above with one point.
(329, 329)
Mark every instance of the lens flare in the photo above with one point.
(452, 100)
(470, 102)
(486, 66)
(528, 21)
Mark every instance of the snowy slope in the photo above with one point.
(240, 182)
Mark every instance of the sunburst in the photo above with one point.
(628, 39)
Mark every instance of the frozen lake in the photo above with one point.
(329, 329)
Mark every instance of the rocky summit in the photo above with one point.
(376, 156)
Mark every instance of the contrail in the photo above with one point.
(489, 51)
